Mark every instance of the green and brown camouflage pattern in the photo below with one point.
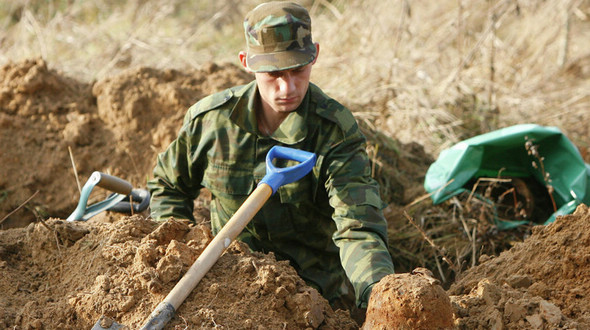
(329, 224)
(278, 37)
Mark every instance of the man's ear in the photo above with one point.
(317, 53)
(242, 55)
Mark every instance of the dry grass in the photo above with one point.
(404, 66)
(421, 58)
(93, 39)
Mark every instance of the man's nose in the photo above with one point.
(287, 83)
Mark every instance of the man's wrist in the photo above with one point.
(366, 295)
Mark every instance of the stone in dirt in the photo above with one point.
(409, 301)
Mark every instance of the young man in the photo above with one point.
(329, 224)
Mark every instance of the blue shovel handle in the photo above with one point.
(276, 176)
(121, 188)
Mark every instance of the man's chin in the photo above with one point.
(286, 108)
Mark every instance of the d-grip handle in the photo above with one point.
(138, 201)
(112, 183)
(277, 176)
(121, 187)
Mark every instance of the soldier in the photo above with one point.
(329, 224)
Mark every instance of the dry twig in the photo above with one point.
(19, 207)
(431, 242)
(423, 197)
(532, 150)
(75, 170)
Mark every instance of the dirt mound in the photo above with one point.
(541, 283)
(64, 275)
(116, 125)
(40, 109)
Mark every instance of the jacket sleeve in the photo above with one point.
(174, 185)
(361, 231)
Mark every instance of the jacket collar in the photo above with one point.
(291, 131)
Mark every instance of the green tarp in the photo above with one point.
(504, 150)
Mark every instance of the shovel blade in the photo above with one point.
(106, 323)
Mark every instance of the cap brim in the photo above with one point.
(285, 60)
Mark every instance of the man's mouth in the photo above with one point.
(287, 100)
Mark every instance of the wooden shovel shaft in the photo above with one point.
(166, 309)
(218, 245)
(273, 179)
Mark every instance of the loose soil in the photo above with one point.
(66, 275)
(56, 274)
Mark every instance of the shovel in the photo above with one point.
(122, 200)
(274, 178)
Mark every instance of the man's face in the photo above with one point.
(283, 91)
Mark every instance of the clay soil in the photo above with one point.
(56, 274)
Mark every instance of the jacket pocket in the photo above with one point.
(228, 179)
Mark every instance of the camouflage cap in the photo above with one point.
(278, 36)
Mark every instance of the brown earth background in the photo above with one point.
(58, 124)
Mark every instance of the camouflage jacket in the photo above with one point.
(329, 224)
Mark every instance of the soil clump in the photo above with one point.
(409, 301)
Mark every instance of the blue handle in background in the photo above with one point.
(276, 176)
